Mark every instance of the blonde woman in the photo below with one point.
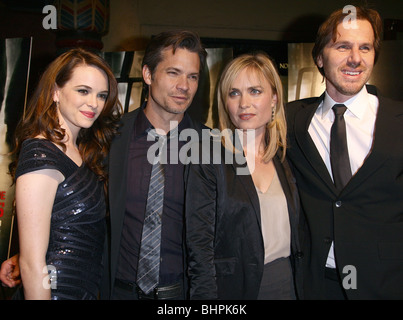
(242, 229)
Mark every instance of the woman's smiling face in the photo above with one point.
(82, 98)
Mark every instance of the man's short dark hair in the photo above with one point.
(182, 39)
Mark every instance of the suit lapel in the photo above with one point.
(118, 158)
(246, 182)
(306, 144)
(118, 155)
(288, 183)
(386, 126)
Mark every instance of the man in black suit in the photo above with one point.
(357, 224)
(171, 70)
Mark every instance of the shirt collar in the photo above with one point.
(356, 105)
(143, 125)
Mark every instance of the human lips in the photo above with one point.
(246, 116)
(88, 114)
(353, 73)
(180, 98)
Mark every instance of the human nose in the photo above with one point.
(354, 59)
(244, 102)
(183, 83)
(93, 100)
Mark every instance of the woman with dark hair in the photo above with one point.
(60, 177)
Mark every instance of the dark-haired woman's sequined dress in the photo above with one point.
(78, 229)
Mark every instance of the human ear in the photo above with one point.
(319, 61)
(56, 93)
(274, 100)
(147, 75)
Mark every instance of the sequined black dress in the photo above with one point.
(78, 230)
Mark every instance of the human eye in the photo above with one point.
(82, 91)
(233, 93)
(103, 96)
(342, 46)
(194, 77)
(255, 91)
(365, 48)
(172, 72)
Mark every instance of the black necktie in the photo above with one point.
(149, 258)
(339, 158)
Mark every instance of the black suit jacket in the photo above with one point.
(118, 157)
(223, 230)
(365, 219)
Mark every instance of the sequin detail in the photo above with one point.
(78, 230)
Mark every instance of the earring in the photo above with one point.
(273, 112)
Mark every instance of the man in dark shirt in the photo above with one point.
(171, 69)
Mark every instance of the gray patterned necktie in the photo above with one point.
(339, 157)
(149, 258)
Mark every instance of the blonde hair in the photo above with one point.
(276, 129)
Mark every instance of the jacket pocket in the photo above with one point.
(225, 266)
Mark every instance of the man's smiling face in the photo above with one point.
(348, 61)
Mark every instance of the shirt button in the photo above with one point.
(338, 204)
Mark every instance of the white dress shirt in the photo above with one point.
(360, 119)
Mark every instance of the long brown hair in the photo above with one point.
(41, 116)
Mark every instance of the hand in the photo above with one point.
(10, 272)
